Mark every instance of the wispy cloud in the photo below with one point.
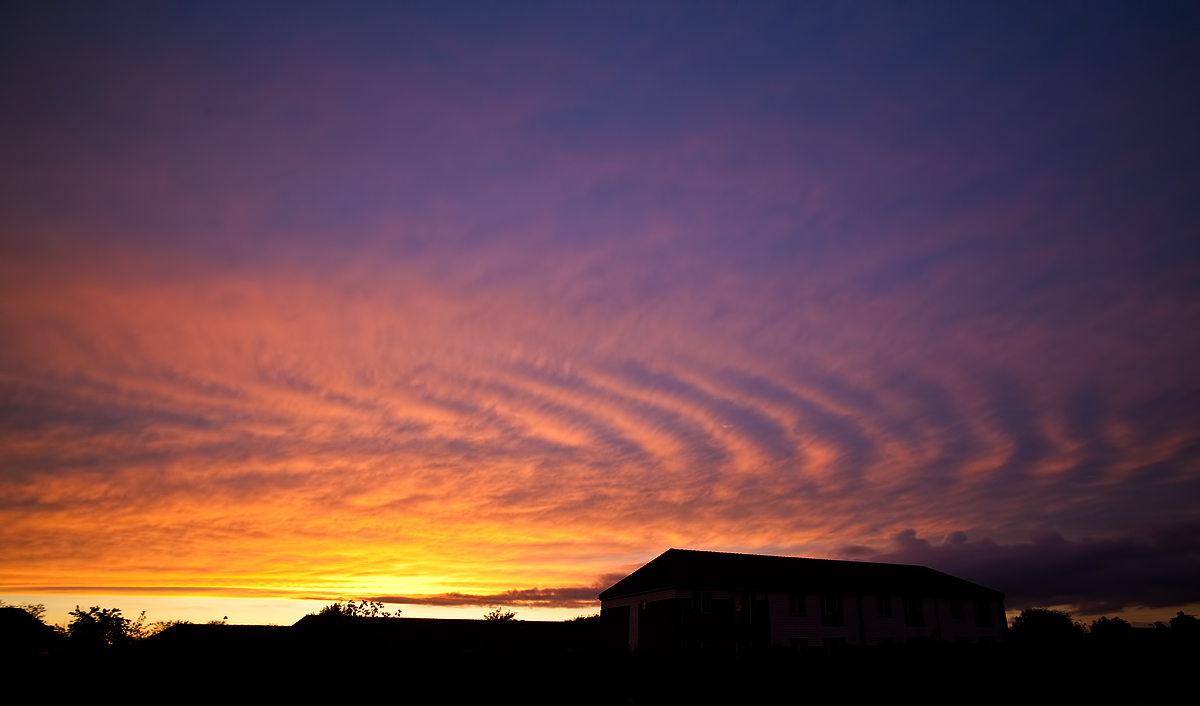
(448, 315)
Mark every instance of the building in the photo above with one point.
(687, 601)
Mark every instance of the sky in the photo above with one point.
(463, 304)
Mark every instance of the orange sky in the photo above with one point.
(414, 313)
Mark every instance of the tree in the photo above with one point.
(1185, 626)
(1042, 626)
(498, 613)
(1184, 622)
(1115, 630)
(22, 632)
(362, 609)
(37, 610)
(98, 628)
(159, 625)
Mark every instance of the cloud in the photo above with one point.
(567, 597)
(1158, 569)
(443, 316)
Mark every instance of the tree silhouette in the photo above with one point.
(498, 613)
(1185, 627)
(37, 610)
(1042, 626)
(98, 627)
(1185, 623)
(1111, 631)
(362, 609)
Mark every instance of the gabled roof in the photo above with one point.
(686, 568)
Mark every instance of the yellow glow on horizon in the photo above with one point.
(373, 447)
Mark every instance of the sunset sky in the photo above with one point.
(459, 304)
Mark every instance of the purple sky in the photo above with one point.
(452, 301)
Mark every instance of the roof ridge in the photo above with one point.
(679, 566)
(785, 556)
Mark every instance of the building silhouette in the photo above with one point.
(688, 601)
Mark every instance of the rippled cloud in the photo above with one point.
(476, 315)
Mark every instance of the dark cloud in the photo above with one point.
(567, 597)
(1158, 569)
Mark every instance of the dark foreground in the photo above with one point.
(439, 662)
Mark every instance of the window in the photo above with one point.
(831, 610)
(914, 612)
(983, 615)
(884, 606)
(796, 604)
(956, 608)
(701, 601)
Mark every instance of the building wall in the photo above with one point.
(868, 627)
(786, 627)
(774, 623)
(633, 602)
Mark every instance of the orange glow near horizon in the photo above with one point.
(373, 448)
(456, 308)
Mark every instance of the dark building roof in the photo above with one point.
(685, 568)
